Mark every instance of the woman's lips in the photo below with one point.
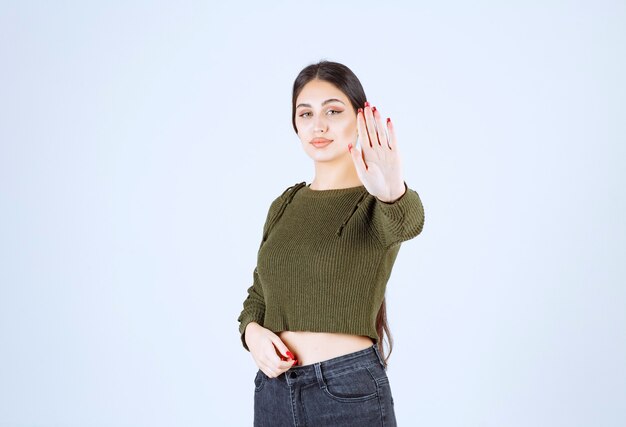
(321, 144)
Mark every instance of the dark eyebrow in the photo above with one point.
(323, 103)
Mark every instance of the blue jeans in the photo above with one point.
(348, 390)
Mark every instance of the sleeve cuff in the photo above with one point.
(399, 220)
(242, 328)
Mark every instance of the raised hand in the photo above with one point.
(378, 163)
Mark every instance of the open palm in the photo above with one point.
(378, 163)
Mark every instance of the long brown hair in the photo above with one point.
(346, 81)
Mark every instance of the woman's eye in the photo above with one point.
(335, 111)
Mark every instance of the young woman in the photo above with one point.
(315, 314)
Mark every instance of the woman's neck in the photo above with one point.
(332, 176)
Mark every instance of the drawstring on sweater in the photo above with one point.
(356, 207)
(294, 188)
(282, 208)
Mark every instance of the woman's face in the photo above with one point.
(323, 111)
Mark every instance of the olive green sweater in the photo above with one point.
(325, 259)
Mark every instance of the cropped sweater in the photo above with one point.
(325, 259)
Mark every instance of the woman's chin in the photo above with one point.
(324, 155)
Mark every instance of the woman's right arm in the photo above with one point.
(254, 304)
(267, 349)
(253, 308)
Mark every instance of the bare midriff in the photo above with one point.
(312, 347)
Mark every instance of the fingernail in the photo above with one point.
(290, 354)
(367, 104)
(294, 362)
(388, 119)
(373, 109)
(360, 110)
(350, 147)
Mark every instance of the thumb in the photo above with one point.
(282, 348)
(359, 163)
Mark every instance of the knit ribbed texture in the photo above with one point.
(325, 259)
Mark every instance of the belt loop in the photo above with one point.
(380, 359)
(318, 374)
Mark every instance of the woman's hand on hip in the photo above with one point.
(268, 351)
(378, 163)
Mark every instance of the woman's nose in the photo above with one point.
(320, 124)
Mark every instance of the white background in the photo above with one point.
(142, 142)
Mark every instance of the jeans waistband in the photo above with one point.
(332, 367)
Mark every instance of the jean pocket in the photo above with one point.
(354, 386)
(259, 380)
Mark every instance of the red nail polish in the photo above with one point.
(294, 362)
(367, 104)
(290, 354)
(360, 110)
(388, 119)
(350, 147)
(373, 109)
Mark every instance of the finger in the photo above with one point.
(284, 366)
(281, 348)
(392, 135)
(278, 364)
(380, 129)
(364, 138)
(371, 126)
(283, 370)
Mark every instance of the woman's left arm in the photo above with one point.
(398, 212)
